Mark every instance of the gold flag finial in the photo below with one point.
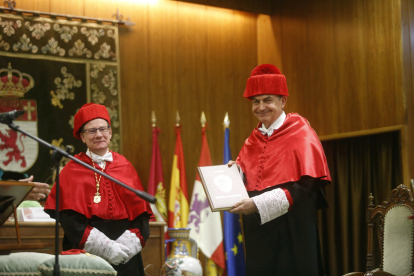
(226, 122)
(153, 119)
(203, 119)
(177, 119)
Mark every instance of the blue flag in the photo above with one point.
(233, 238)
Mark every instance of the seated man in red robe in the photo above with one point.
(98, 215)
(284, 169)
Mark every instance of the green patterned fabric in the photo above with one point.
(23, 264)
(76, 265)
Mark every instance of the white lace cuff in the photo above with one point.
(271, 204)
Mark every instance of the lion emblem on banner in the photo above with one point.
(9, 141)
(16, 152)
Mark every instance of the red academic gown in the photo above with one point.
(119, 209)
(292, 158)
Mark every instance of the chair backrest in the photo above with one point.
(395, 232)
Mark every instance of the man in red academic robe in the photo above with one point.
(96, 214)
(284, 168)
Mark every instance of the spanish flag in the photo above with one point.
(178, 203)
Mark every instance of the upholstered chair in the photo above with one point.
(395, 235)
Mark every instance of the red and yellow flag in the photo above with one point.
(156, 180)
(178, 202)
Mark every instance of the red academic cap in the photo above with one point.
(89, 112)
(266, 79)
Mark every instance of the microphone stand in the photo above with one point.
(57, 155)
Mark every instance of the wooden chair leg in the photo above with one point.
(16, 224)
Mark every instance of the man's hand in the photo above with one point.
(131, 241)
(231, 163)
(39, 191)
(245, 207)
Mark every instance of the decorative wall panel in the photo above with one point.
(50, 68)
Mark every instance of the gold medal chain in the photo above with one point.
(97, 197)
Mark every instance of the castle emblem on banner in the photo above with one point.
(17, 152)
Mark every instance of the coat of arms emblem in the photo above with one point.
(17, 152)
(224, 183)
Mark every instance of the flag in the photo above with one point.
(233, 237)
(156, 180)
(178, 202)
(205, 225)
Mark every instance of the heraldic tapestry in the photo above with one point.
(50, 68)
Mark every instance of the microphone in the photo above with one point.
(8, 117)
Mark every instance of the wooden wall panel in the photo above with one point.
(135, 84)
(162, 82)
(106, 8)
(342, 61)
(34, 5)
(265, 26)
(72, 7)
(178, 56)
(257, 6)
(407, 8)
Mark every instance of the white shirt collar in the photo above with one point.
(276, 124)
(100, 160)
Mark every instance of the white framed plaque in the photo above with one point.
(223, 186)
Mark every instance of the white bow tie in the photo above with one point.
(106, 157)
(100, 160)
(265, 131)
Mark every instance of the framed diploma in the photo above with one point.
(223, 186)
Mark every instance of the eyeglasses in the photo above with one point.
(93, 131)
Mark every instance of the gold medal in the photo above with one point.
(97, 199)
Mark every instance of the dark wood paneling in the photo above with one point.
(407, 8)
(196, 58)
(342, 61)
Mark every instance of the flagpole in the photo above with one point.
(178, 186)
(233, 230)
(177, 119)
(206, 226)
(226, 122)
(156, 180)
(203, 119)
(153, 119)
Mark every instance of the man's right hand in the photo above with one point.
(40, 190)
(245, 207)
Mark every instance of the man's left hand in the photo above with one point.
(245, 207)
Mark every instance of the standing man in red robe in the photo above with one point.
(98, 215)
(284, 169)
